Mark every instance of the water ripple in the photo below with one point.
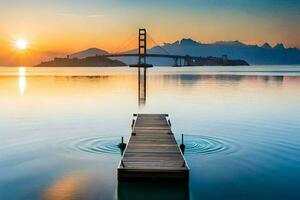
(197, 144)
(94, 145)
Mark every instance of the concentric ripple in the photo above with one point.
(196, 144)
(94, 145)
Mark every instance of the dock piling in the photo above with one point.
(182, 146)
(122, 145)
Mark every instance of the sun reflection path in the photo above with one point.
(22, 80)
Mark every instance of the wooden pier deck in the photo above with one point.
(152, 152)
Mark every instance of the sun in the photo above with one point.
(21, 44)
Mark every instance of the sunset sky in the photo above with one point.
(64, 26)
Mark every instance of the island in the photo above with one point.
(92, 61)
(104, 61)
(214, 61)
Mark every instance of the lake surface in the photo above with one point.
(60, 127)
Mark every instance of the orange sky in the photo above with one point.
(57, 28)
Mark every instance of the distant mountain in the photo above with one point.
(89, 53)
(253, 54)
(266, 46)
(279, 46)
(235, 50)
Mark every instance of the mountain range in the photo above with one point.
(253, 54)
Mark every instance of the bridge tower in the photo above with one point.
(142, 46)
(142, 49)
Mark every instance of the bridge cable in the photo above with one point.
(158, 44)
(125, 44)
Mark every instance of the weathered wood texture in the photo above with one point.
(152, 152)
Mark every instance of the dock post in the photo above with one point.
(122, 145)
(182, 146)
(132, 124)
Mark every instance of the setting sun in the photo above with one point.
(21, 44)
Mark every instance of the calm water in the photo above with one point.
(60, 127)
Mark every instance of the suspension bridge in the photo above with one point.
(142, 55)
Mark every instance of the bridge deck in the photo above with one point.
(148, 55)
(152, 152)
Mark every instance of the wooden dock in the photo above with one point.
(152, 152)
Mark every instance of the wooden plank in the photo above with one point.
(152, 152)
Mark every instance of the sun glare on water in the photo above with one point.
(21, 44)
(22, 80)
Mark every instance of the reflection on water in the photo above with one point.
(241, 132)
(66, 188)
(142, 86)
(157, 191)
(22, 80)
(190, 78)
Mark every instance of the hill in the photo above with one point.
(94, 61)
(88, 53)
